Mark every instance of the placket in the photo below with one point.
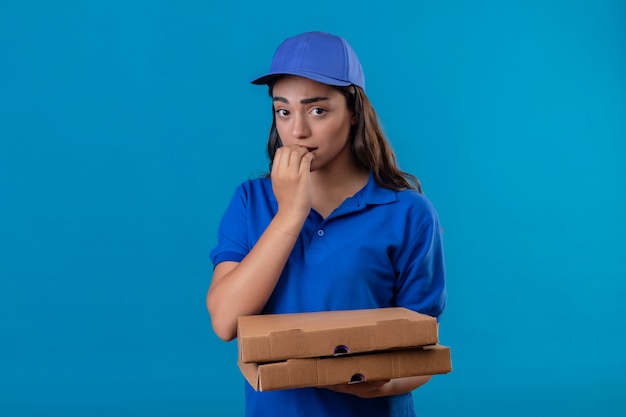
(325, 229)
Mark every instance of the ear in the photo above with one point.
(353, 119)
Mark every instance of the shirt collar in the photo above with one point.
(373, 193)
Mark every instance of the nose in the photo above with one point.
(300, 128)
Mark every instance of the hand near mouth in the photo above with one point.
(291, 181)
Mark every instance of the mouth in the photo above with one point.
(310, 148)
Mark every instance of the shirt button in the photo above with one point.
(320, 233)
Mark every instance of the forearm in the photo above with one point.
(374, 389)
(245, 289)
(403, 385)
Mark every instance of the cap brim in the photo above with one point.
(271, 77)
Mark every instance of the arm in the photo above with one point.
(243, 288)
(382, 388)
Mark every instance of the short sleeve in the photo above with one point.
(421, 281)
(232, 239)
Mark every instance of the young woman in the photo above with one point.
(335, 226)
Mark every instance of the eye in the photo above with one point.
(282, 112)
(318, 111)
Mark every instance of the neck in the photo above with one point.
(331, 188)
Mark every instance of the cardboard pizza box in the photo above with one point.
(277, 337)
(320, 372)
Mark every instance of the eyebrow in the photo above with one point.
(303, 101)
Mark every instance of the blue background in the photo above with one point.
(125, 126)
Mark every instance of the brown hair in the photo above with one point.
(370, 147)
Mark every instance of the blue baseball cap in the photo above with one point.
(318, 56)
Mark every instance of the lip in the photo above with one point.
(310, 148)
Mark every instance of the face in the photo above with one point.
(315, 116)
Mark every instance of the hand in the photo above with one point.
(291, 180)
(366, 389)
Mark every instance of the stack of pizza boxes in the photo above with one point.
(283, 351)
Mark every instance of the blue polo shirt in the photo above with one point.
(379, 248)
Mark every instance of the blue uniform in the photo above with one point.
(379, 248)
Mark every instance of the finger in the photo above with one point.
(295, 157)
(307, 160)
(278, 159)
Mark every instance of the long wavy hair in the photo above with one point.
(369, 145)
